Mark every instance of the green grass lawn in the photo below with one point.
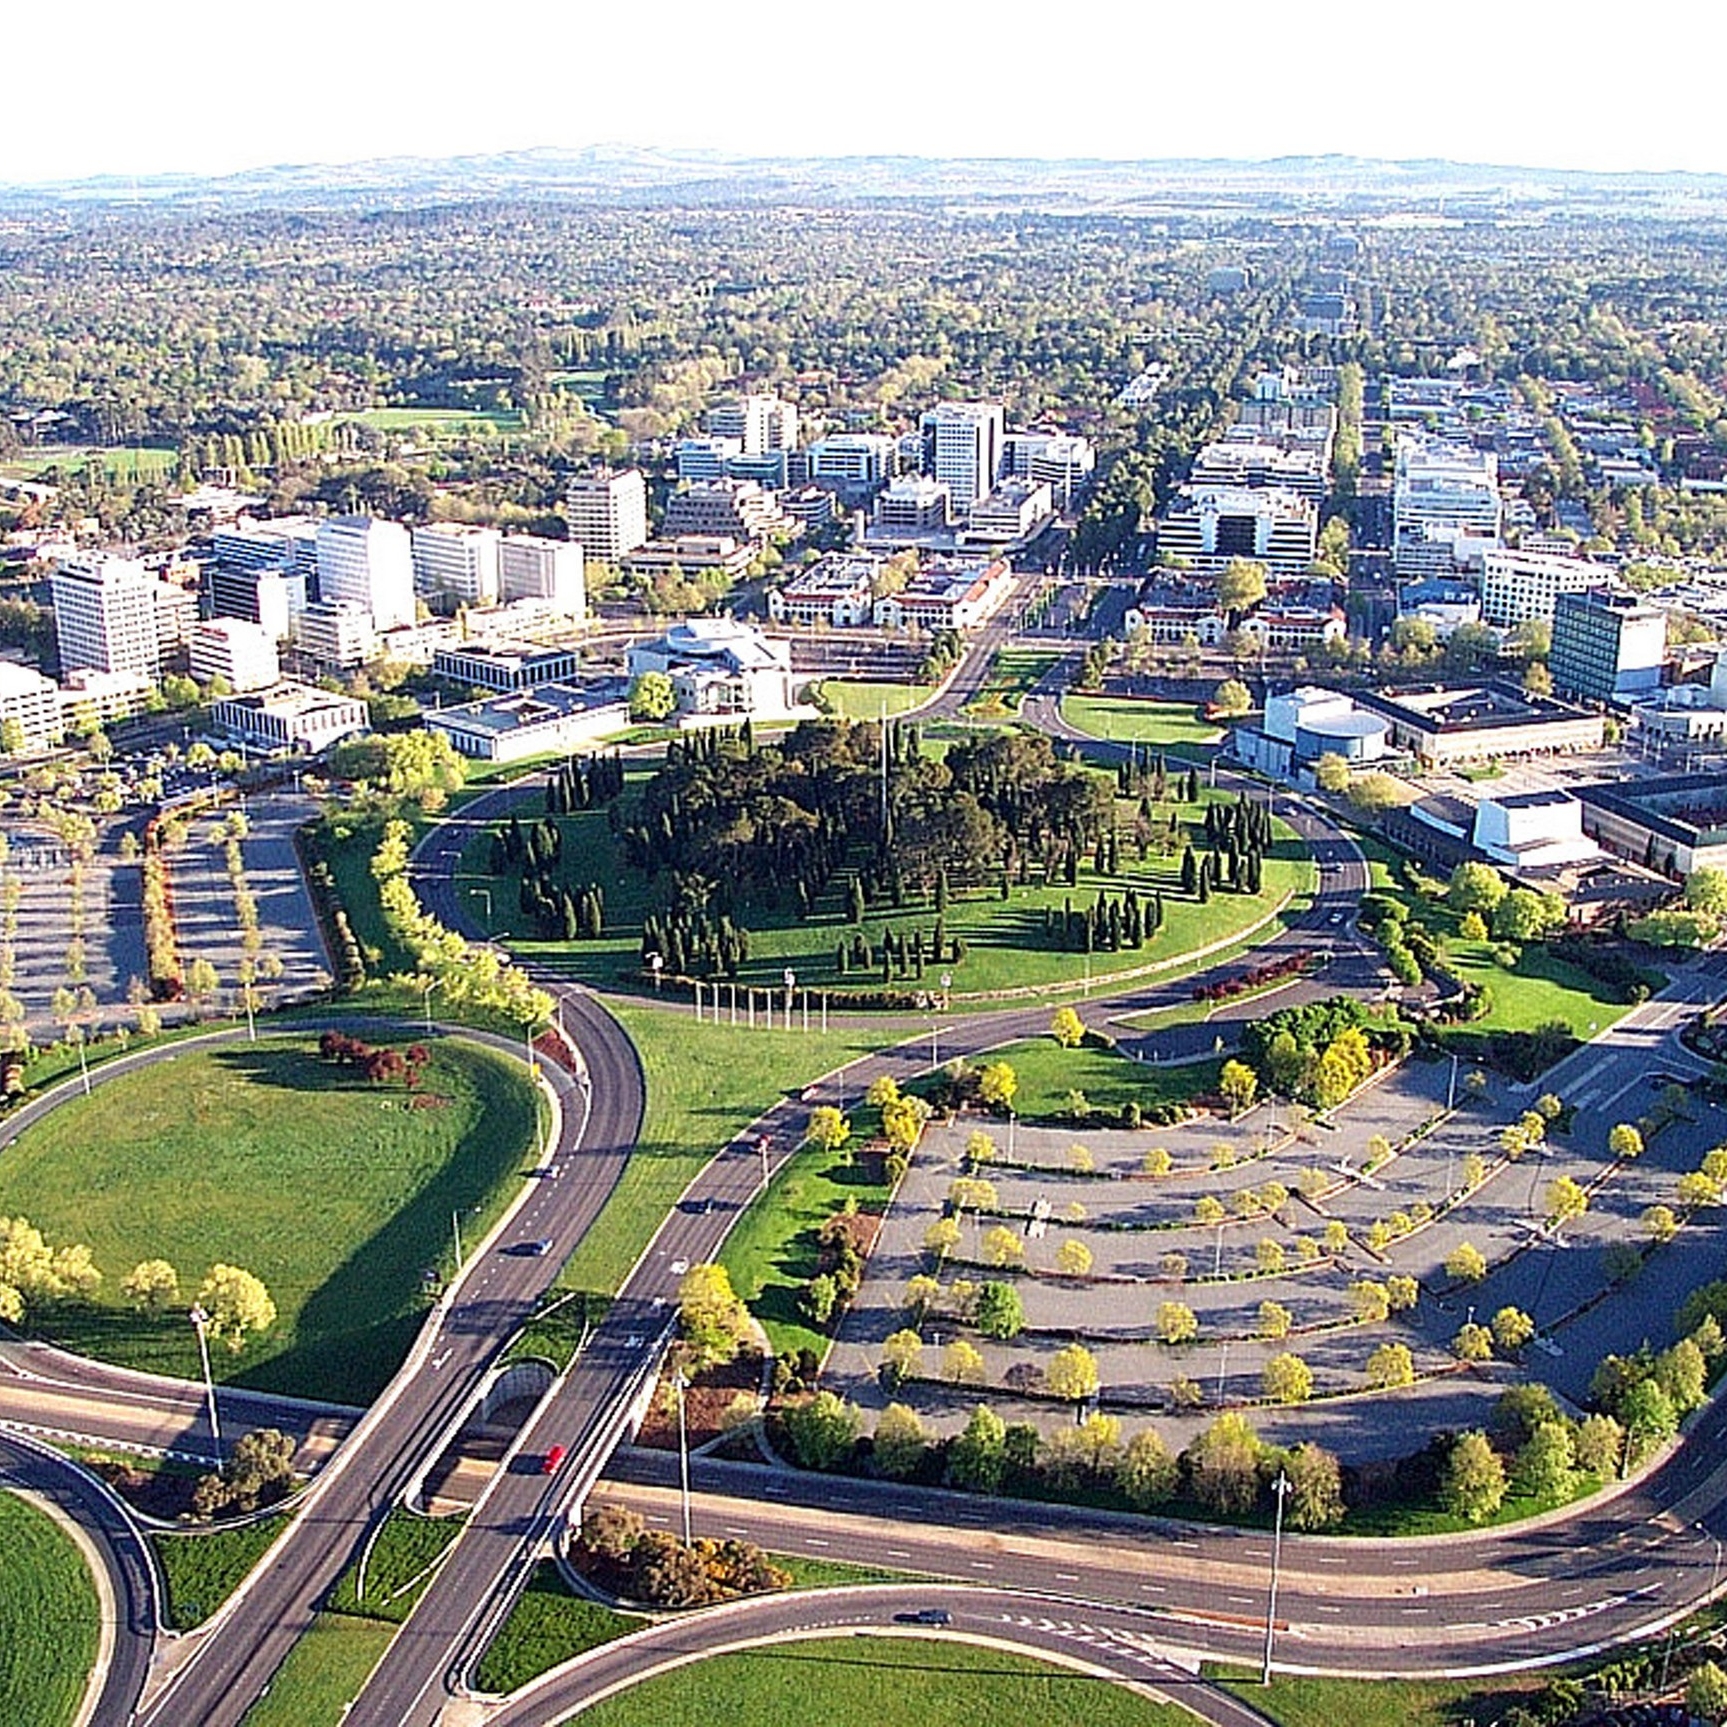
(855, 701)
(705, 1084)
(1047, 1073)
(398, 1568)
(546, 1627)
(1174, 727)
(1012, 673)
(436, 419)
(122, 462)
(336, 1193)
(49, 1619)
(1378, 1702)
(1006, 943)
(204, 1567)
(324, 1673)
(772, 1251)
(880, 1682)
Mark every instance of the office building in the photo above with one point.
(31, 715)
(505, 666)
(948, 594)
(289, 716)
(854, 460)
(553, 719)
(336, 633)
(1607, 647)
(1015, 510)
(838, 589)
(737, 508)
(1517, 586)
(758, 423)
(456, 560)
(105, 615)
(688, 554)
(1208, 526)
(705, 458)
(608, 513)
(176, 613)
(1676, 824)
(273, 598)
(913, 504)
(279, 543)
(962, 448)
(1442, 725)
(368, 563)
(1064, 460)
(241, 652)
(1439, 489)
(531, 567)
(719, 667)
(1257, 464)
(95, 698)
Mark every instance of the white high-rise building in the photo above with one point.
(105, 615)
(1441, 490)
(1063, 459)
(31, 713)
(533, 568)
(234, 649)
(336, 633)
(608, 512)
(762, 423)
(1517, 586)
(280, 542)
(456, 558)
(962, 443)
(368, 563)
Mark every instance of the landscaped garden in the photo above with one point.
(212, 1156)
(1176, 728)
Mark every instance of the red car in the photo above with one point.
(549, 1463)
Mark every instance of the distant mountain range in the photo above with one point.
(611, 173)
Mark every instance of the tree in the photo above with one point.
(238, 1305)
(1274, 1320)
(999, 1313)
(261, 1459)
(828, 1130)
(1331, 772)
(1697, 1187)
(1240, 586)
(961, 1364)
(1683, 1373)
(1624, 1141)
(1473, 1343)
(1371, 1300)
(1232, 698)
(1237, 1085)
(942, 1236)
(1706, 1692)
(901, 1351)
(1389, 1366)
(1073, 1258)
(201, 981)
(900, 1442)
(1524, 914)
(902, 1122)
(1565, 1200)
(1375, 793)
(1706, 891)
(1647, 1414)
(921, 1294)
(1287, 1379)
(1472, 1483)
(1067, 1028)
(1599, 1445)
(822, 1430)
(151, 1285)
(1476, 887)
(1315, 1487)
(978, 1457)
(715, 1322)
(998, 1085)
(652, 697)
(1471, 927)
(1176, 1322)
(1544, 1462)
(1147, 1472)
(1001, 1247)
(1072, 1374)
(1222, 1465)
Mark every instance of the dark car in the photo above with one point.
(925, 1616)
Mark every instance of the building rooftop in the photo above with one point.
(500, 715)
(1467, 707)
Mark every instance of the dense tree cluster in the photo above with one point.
(1320, 1051)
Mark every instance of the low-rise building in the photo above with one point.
(913, 504)
(336, 633)
(1675, 824)
(505, 666)
(719, 667)
(1206, 527)
(241, 653)
(738, 508)
(89, 697)
(31, 715)
(688, 553)
(553, 719)
(1529, 831)
(1064, 460)
(838, 589)
(1443, 724)
(947, 594)
(1015, 510)
(289, 716)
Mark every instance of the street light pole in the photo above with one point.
(1281, 1488)
(456, 1230)
(1451, 1089)
(683, 1452)
(200, 1319)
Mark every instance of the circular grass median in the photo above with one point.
(48, 1619)
(336, 1190)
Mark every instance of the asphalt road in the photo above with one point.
(131, 1578)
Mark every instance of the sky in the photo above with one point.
(114, 87)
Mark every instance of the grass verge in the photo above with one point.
(1373, 1702)
(49, 1617)
(398, 1568)
(325, 1671)
(1048, 1073)
(879, 1682)
(203, 1567)
(547, 1626)
(852, 701)
(1174, 727)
